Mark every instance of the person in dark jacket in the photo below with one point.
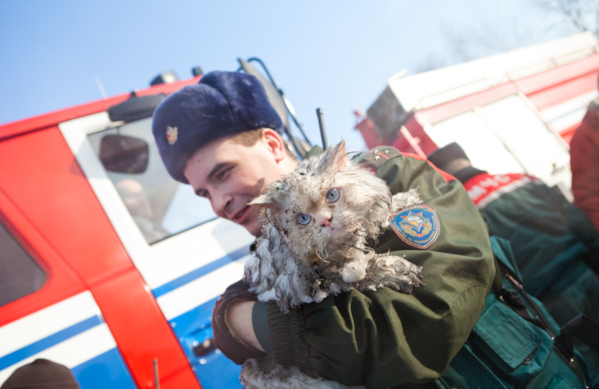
(554, 243)
(42, 374)
(223, 138)
(584, 163)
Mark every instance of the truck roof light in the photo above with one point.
(165, 78)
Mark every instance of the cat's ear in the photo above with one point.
(337, 157)
(265, 200)
(340, 155)
(261, 200)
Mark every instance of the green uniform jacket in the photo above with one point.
(382, 339)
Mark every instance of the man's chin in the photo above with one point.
(252, 223)
(254, 228)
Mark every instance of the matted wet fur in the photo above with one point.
(316, 222)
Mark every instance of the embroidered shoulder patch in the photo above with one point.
(417, 225)
(376, 157)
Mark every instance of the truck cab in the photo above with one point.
(108, 265)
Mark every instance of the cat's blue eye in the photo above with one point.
(303, 218)
(333, 195)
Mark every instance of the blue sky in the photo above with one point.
(331, 54)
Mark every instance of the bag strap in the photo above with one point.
(497, 281)
(584, 329)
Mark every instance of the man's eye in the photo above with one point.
(203, 193)
(223, 174)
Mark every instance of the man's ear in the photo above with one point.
(274, 143)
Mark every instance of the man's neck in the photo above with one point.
(453, 166)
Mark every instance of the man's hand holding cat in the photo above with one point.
(232, 324)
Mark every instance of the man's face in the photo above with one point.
(230, 175)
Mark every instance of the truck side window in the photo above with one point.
(20, 275)
(160, 206)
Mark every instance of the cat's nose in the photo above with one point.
(326, 222)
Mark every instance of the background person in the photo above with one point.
(43, 374)
(584, 163)
(137, 203)
(554, 243)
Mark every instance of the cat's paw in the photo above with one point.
(395, 272)
(354, 271)
(405, 199)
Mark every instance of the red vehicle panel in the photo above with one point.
(43, 215)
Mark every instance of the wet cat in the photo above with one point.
(317, 221)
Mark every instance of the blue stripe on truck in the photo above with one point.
(48, 341)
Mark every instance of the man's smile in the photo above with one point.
(241, 216)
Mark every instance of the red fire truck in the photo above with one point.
(512, 112)
(107, 264)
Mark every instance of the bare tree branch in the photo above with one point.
(583, 14)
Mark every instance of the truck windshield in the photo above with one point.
(159, 205)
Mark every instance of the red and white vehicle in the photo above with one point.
(512, 113)
(107, 264)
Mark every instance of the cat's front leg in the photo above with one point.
(392, 271)
(355, 270)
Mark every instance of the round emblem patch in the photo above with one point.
(417, 225)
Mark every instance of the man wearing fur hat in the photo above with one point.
(228, 147)
(554, 243)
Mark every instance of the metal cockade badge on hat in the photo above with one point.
(171, 134)
(417, 225)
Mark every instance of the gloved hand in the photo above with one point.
(224, 337)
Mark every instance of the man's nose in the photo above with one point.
(220, 206)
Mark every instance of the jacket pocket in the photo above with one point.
(561, 382)
(517, 347)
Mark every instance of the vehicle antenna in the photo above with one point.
(323, 133)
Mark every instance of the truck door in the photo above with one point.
(46, 312)
(186, 256)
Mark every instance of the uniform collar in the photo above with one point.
(467, 173)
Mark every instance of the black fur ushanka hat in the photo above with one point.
(221, 104)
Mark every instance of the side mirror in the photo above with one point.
(124, 154)
(135, 108)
